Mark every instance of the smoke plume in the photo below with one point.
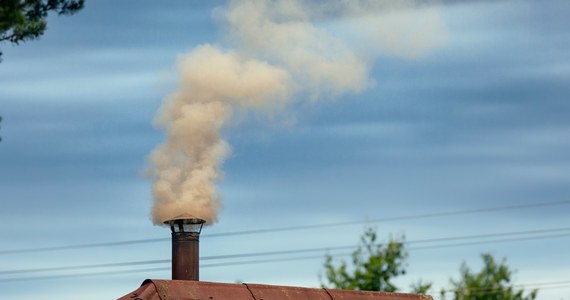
(281, 50)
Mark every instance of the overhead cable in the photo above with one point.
(320, 249)
(294, 228)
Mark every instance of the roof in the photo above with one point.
(202, 290)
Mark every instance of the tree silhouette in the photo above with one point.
(493, 282)
(374, 266)
(23, 20)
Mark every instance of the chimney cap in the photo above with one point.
(185, 223)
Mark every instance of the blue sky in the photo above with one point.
(481, 121)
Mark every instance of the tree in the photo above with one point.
(493, 282)
(373, 266)
(22, 20)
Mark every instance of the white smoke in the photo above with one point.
(282, 50)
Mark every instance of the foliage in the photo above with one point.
(22, 20)
(493, 282)
(373, 266)
(420, 287)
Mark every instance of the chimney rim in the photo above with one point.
(192, 226)
(185, 220)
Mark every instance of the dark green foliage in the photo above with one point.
(22, 20)
(493, 282)
(373, 266)
(421, 287)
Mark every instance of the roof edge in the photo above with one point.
(164, 287)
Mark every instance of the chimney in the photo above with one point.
(185, 247)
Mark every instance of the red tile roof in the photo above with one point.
(202, 290)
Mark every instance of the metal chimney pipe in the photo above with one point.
(185, 248)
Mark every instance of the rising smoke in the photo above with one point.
(281, 50)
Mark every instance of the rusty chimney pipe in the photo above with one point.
(185, 247)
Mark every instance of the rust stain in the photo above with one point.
(202, 290)
(260, 291)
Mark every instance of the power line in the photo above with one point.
(81, 246)
(81, 267)
(82, 274)
(321, 249)
(540, 285)
(524, 286)
(466, 237)
(294, 228)
(352, 247)
(487, 235)
(390, 219)
(489, 242)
